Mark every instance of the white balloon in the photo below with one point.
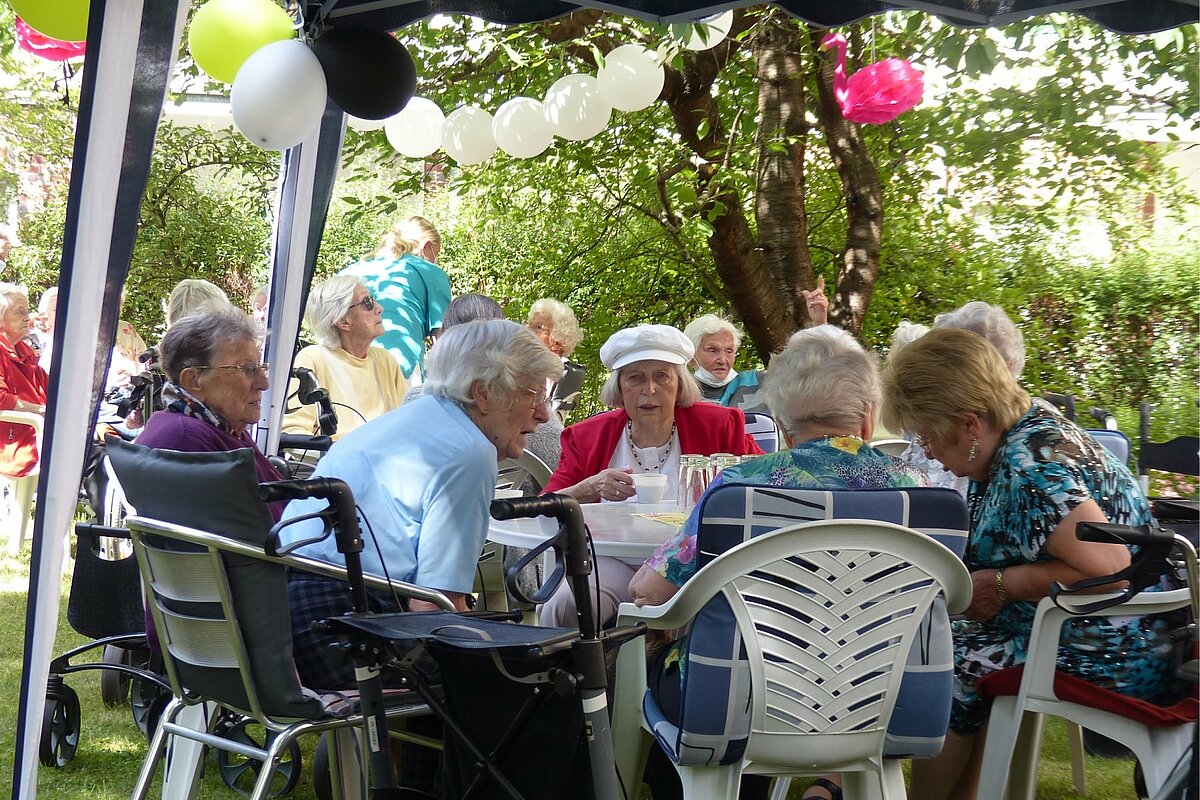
(631, 78)
(360, 124)
(468, 135)
(278, 96)
(520, 128)
(417, 130)
(703, 34)
(576, 109)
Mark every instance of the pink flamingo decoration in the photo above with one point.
(877, 93)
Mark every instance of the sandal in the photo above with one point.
(835, 791)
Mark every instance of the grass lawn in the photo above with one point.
(111, 749)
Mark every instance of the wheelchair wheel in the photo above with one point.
(322, 778)
(241, 772)
(60, 726)
(114, 685)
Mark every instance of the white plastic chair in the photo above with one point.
(893, 447)
(21, 490)
(825, 610)
(1014, 728)
(512, 474)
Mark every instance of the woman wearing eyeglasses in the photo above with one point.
(214, 389)
(363, 381)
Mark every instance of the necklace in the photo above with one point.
(634, 449)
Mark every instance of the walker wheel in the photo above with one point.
(60, 727)
(114, 685)
(240, 773)
(322, 778)
(147, 700)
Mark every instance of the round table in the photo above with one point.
(615, 530)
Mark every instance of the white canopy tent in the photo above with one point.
(130, 54)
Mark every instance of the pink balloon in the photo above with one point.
(877, 93)
(45, 47)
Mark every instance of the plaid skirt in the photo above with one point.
(321, 662)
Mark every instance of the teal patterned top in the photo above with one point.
(832, 462)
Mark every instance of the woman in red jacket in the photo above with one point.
(657, 419)
(22, 382)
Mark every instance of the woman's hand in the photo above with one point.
(985, 601)
(648, 588)
(609, 484)
(817, 302)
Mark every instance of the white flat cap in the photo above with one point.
(647, 343)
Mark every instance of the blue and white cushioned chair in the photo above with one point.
(715, 723)
(763, 429)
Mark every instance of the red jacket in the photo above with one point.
(20, 379)
(704, 428)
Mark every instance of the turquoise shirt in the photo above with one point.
(414, 294)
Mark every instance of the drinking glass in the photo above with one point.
(695, 473)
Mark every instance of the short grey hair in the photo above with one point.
(498, 353)
(10, 292)
(688, 394)
(906, 333)
(993, 324)
(823, 376)
(194, 340)
(711, 324)
(470, 307)
(192, 296)
(563, 320)
(328, 304)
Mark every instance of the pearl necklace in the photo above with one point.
(634, 449)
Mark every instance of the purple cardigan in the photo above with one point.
(171, 430)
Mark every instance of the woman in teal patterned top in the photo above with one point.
(1034, 476)
(824, 392)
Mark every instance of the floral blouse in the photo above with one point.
(832, 462)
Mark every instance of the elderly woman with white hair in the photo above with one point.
(992, 323)
(555, 324)
(657, 420)
(824, 392)
(363, 382)
(423, 476)
(22, 382)
(717, 341)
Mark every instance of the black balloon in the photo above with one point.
(369, 74)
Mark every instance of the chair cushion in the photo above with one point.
(218, 493)
(1007, 682)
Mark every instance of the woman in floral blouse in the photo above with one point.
(824, 393)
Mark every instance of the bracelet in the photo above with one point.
(1001, 595)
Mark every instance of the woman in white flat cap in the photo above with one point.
(657, 418)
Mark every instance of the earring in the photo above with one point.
(483, 412)
(974, 448)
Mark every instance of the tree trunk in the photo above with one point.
(864, 203)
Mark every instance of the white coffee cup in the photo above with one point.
(650, 486)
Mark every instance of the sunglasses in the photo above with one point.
(368, 303)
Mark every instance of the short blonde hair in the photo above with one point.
(407, 237)
(564, 325)
(931, 383)
(708, 325)
(192, 296)
(687, 395)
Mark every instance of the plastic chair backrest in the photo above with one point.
(893, 447)
(513, 473)
(821, 613)
(714, 722)
(764, 430)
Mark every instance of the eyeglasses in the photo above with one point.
(539, 397)
(251, 371)
(924, 443)
(368, 303)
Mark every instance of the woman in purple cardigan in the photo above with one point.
(657, 420)
(214, 391)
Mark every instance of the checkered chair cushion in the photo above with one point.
(715, 714)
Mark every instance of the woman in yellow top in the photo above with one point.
(363, 381)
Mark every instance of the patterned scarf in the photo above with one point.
(181, 402)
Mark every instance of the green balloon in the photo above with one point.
(58, 19)
(224, 33)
